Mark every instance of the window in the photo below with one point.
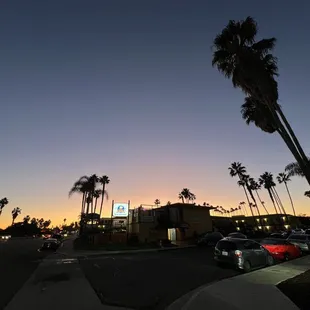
(273, 242)
(226, 245)
(251, 245)
(298, 237)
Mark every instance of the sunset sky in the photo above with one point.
(126, 89)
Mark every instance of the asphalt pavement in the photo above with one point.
(18, 260)
(151, 280)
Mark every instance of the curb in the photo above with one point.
(107, 253)
(296, 267)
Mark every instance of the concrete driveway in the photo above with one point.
(18, 260)
(151, 280)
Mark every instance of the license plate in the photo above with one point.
(225, 253)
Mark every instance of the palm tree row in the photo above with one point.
(87, 186)
(253, 68)
(266, 181)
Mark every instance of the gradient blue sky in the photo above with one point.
(126, 88)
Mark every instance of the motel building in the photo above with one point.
(178, 222)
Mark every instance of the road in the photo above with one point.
(151, 280)
(18, 260)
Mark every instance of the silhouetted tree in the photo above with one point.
(252, 68)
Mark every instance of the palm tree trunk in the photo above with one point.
(270, 195)
(288, 141)
(247, 197)
(102, 198)
(95, 205)
(261, 202)
(256, 206)
(289, 194)
(294, 138)
(281, 204)
(295, 149)
(83, 198)
(279, 200)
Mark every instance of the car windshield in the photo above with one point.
(236, 235)
(298, 237)
(226, 245)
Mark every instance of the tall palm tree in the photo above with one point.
(186, 195)
(252, 68)
(284, 178)
(3, 202)
(103, 180)
(266, 179)
(255, 186)
(15, 212)
(157, 202)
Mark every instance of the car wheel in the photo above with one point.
(270, 260)
(286, 257)
(219, 264)
(247, 266)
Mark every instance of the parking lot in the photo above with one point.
(151, 280)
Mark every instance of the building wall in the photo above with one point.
(199, 221)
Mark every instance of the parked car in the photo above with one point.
(58, 237)
(5, 237)
(277, 236)
(298, 231)
(49, 246)
(281, 249)
(53, 240)
(210, 239)
(243, 254)
(301, 240)
(237, 235)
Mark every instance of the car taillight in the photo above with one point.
(238, 253)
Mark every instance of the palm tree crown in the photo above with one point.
(246, 61)
(186, 195)
(15, 212)
(293, 169)
(283, 178)
(3, 202)
(236, 169)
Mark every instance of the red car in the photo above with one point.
(281, 249)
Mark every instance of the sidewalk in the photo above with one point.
(58, 283)
(256, 290)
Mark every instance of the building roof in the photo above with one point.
(187, 205)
